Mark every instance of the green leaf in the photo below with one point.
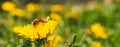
(27, 44)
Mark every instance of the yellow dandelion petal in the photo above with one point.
(27, 32)
(8, 6)
(30, 32)
(47, 28)
(47, 18)
(55, 37)
(17, 29)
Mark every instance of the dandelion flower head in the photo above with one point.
(56, 16)
(17, 12)
(96, 44)
(98, 31)
(31, 7)
(57, 8)
(8, 6)
(53, 41)
(37, 30)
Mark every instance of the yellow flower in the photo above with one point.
(56, 16)
(98, 31)
(31, 7)
(57, 8)
(53, 40)
(8, 6)
(39, 29)
(17, 12)
(96, 44)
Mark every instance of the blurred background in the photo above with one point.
(95, 23)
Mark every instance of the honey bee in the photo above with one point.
(36, 21)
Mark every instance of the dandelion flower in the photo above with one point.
(31, 7)
(53, 40)
(38, 29)
(8, 6)
(96, 44)
(57, 8)
(98, 31)
(55, 16)
(17, 12)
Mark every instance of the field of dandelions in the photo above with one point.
(59, 23)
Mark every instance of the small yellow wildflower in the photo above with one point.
(17, 12)
(55, 16)
(57, 8)
(8, 6)
(96, 44)
(39, 29)
(98, 31)
(31, 7)
(53, 40)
